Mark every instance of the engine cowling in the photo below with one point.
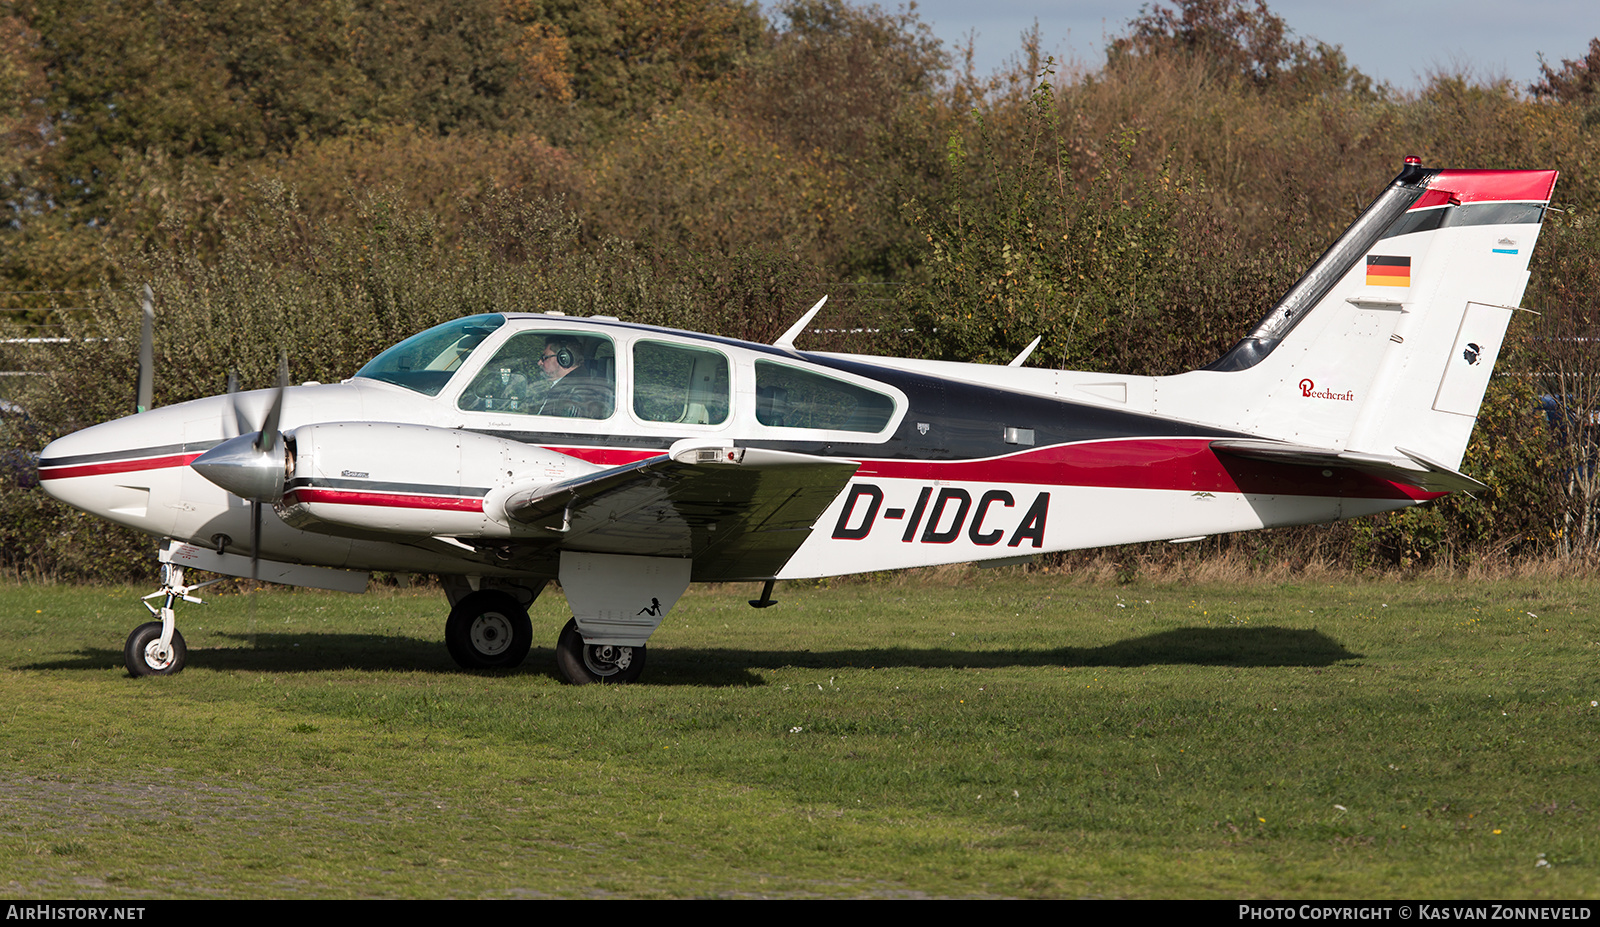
(410, 479)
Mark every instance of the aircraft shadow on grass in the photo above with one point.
(305, 653)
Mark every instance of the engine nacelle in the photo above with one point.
(410, 479)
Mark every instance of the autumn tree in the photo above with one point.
(619, 60)
(1576, 81)
(1240, 40)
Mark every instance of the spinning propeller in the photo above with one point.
(253, 465)
(144, 398)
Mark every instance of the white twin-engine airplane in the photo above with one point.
(501, 451)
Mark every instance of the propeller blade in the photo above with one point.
(147, 352)
(268, 437)
(255, 540)
(241, 423)
(252, 465)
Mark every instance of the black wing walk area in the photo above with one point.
(741, 513)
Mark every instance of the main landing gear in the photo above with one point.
(490, 629)
(582, 663)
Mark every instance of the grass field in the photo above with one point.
(996, 734)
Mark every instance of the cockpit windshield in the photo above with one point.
(425, 362)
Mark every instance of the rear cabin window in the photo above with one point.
(787, 397)
(547, 373)
(673, 383)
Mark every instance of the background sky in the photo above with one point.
(1397, 42)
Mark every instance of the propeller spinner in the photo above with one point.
(253, 465)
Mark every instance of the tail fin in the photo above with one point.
(1384, 348)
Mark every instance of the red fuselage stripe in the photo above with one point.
(387, 500)
(606, 456)
(117, 466)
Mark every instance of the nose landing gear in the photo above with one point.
(155, 648)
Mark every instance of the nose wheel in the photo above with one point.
(582, 663)
(145, 655)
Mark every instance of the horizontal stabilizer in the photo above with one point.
(1410, 468)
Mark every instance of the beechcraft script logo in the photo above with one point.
(1309, 390)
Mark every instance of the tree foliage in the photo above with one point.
(1130, 271)
(1239, 40)
(1576, 81)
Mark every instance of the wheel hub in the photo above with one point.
(156, 656)
(491, 634)
(607, 659)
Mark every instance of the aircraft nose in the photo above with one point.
(60, 462)
(70, 469)
(50, 453)
(113, 468)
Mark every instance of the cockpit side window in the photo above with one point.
(426, 361)
(674, 383)
(547, 373)
(788, 397)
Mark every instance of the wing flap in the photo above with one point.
(739, 512)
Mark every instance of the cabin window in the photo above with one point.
(673, 383)
(788, 397)
(558, 374)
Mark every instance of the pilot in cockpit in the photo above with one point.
(575, 390)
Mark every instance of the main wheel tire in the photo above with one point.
(488, 630)
(142, 653)
(582, 663)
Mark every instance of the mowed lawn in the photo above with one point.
(941, 734)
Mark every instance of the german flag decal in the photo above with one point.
(1388, 271)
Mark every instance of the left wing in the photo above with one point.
(739, 512)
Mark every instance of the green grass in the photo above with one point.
(1002, 736)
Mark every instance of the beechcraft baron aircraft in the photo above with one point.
(501, 451)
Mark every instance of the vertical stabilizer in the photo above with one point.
(1386, 346)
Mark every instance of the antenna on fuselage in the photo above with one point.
(786, 340)
(1017, 361)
